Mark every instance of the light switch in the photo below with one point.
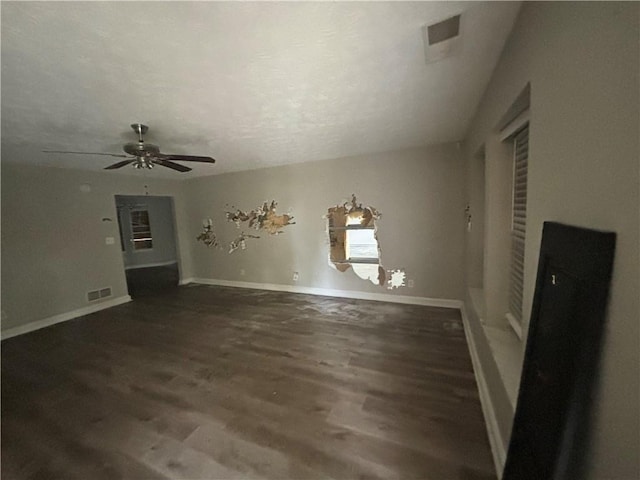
(109, 240)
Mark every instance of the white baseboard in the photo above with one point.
(185, 281)
(150, 265)
(330, 292)
(493, 430)
(63, 317)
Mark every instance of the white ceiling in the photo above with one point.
(250, 84)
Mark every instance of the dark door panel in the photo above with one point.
(574, 272)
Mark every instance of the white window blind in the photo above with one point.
(519, 221)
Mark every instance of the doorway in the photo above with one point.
(148, 243)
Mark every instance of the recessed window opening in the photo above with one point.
(520, 140)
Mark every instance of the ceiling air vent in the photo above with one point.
(441, 39)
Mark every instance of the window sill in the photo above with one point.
(506, 348)
(515, 325)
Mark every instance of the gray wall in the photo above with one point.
(53, 238)
(419, 192)
(582, 62)
(161, 218)
(475, 237)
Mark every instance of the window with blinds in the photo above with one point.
(518, 221)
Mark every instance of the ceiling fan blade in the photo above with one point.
(189, 158)
(87, 153)
(119, 164)
(174, 166)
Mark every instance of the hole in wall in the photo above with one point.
(353, 240)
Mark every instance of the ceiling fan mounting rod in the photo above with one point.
(140, 129)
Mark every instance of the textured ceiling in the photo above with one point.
(250, 84)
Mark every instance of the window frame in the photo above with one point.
(351, 226)
(359, 260)
(515, 313)
(147, 231)
(347, 248)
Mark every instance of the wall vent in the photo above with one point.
(94, 295)
(441, 39)
(444, 30)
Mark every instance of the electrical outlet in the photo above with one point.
(296, 276)
(109, 240)
(410, 283)
(242, 272)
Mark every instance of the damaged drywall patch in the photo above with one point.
(352, 230)
(240, 242)
(396, 279)
(353, 241)
(262, 218)
(207, 236)
(374, 273)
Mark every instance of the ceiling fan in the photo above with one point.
(145, 155)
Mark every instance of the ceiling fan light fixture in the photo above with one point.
(143, 162)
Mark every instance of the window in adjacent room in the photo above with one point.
(141, 230)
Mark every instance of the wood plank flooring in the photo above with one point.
(152, 280)
(220, 383)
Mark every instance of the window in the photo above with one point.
(518, 224)
(352, 238)
(141, 230)
(361, 245)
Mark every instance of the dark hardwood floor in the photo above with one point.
(218, 383)
(152, 280)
